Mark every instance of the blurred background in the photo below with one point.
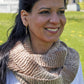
(7, 6)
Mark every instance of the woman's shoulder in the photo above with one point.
(70, 51)
(72, 57)
(79, 76)
(71, 60)
(4, 56)
(11, 79)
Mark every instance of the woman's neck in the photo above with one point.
(40, 47)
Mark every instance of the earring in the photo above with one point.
(26, 30)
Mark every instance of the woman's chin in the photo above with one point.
(51, 40)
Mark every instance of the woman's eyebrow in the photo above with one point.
(50, 8)
(44, 8)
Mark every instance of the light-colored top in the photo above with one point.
(11, 79)
(79, 77)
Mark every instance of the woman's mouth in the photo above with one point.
(52, 30)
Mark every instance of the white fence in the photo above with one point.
(8, 6)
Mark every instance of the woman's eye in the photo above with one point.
(44, 12)
(61, 12)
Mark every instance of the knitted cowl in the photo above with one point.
(58, 66)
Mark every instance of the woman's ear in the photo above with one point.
(24, 17)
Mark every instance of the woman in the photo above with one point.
(33, 53)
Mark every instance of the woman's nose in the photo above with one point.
(55, 19)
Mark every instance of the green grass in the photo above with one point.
(81, 5)
(73, 34)
(6, 21)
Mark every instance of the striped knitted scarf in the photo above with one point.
(54, 67)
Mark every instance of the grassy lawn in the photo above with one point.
(6, 21)
(73, 34)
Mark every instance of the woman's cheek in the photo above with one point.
(41, 21)
(64, 20)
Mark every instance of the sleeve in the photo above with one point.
(10, 78)
(79, 77)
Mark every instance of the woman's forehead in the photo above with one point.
(49, 3)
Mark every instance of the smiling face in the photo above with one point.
(46, 21)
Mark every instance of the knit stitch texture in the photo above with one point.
(58, 66)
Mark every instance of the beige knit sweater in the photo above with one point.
(58, 66)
